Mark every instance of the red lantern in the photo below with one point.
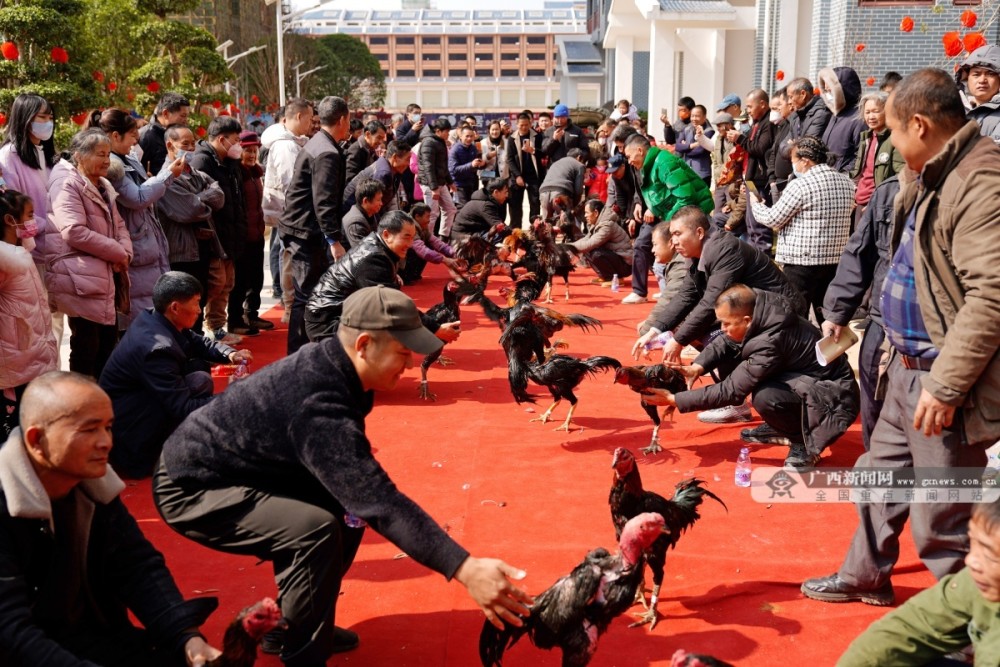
(3, 119)
(80, 118)
(780, 75)
(242, 101)
(973, 41)
(232, 108)
(224, 112)
(98, 75)
(859, 47)
(216, 104)
(201, 132)
(112, 86)
(9, 51)
(255, 99)
(952, 44)
(969, 18)
(906, 25)
(153, 87)
(59, 55)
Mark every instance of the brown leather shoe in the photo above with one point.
(835, 589)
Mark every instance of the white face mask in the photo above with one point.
(43, 130)
(775, 116)
(602, 140)
(136, 153)
(798, 174)
(235, 151)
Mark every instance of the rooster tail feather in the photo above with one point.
(493, 642)
(690, 492)
(585, 322)
(600, 363)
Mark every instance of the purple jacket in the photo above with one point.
(86, 238)
(31, 182)
(432, 249)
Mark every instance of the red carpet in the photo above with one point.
(536, 498)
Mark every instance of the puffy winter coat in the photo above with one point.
(369, 263)
(478, 216)
(669, 185)
(87, 238)
(460, 159)
(186, 206)
(27, 347)
(433, 170)
(780, 346)
(137, 197)
(986, 114)
(230, 220)
(31, 182)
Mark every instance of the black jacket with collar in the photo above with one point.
(313, 200)
(359, 156)
(369, 263)
(479, 215)
(516, 158)
(433, 171)
(758, 153)
(573, 137)
(230, 220)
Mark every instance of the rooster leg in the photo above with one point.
(445, 361)
(548, 413)
(651, 616)
(567, 288)
(548, 292)
(425, 393)
(569, 419)
(640, 594)
(654, 444)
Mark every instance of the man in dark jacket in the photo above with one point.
(780, 162)
(564, 183)
(464, 161)
(410, 129)
(310, 226)
(862, 267)
(172, 109)
(74, 560)
(362, 219)
(484, 213)
(388, 171)
(365, 150)
(524, 151)
(563, 136)
(157, 375)
(756, 166)
(769, 351)
(841, 90)
(716, 263)
(218, 156)
(279, 467)
(434, 177)
(811, 115)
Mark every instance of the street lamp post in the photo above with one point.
(299, 77)
(281, 19)
(231, 60)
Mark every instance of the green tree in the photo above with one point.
(350, 71)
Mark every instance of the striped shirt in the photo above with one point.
(904, 323)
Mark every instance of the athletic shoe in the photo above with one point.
(634, 298)
(263, 325)
(244, 330)
(765, 435)
(224, 336)
(835, 589)
(800, 459)
(727, 414)
(658, 295)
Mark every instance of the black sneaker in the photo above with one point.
(263, 325)
(800, 459)
(766, 435)
(244, 330)
(835, 589)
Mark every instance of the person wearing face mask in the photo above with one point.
(90, 245)
(780, 169)
(812, 221)
(137, 197)
(27, 346)
(26, 158)
(841, 91)
(218, 156)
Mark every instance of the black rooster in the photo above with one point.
(628, 499)
(575, 611)
(657, 376)
(558, 258)
(561, 374)
(442, 313)
(239, 643)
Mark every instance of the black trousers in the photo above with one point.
(516, 203)
(642, 258)
(90, 345)
(307, 543)
(309, 262)
(413, 269)
(869, 357)
(811, 282)
(606, 263)
(199, 270)
(463, 194)
(780, 407)
(244, 300)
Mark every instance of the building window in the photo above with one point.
(483, 41)
(488, 73)
(510, 56)
(510, 72)
(431, 41)
(432, 72)
(406, 72)
(458, 56)
(378, 40)
(535, 72)
(894, 3)
(458, 73)
(405, 56)
(510, 40)
(535, 40)
(432, 56)
(404, 40)
(458, 40)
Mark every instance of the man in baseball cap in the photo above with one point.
(380, 308)
(562, 137)
(731, 104)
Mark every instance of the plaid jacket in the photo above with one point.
(812, 218)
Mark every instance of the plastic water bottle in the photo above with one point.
(615, 286)
(743, 467)
(354, 521)
(658, 342)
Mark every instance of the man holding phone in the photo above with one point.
(524, 163)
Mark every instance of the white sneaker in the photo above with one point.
(658, 295)
(728, 414)
(634, 298)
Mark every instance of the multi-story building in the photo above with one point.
(247, 23)
(486, 60)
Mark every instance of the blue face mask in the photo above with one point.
(43, 130)
(798, 174)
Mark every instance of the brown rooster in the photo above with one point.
(239, 643)
(657, 376)
(628, 499)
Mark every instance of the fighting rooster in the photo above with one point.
(643, 378)
(562, 374)
(576, 610)
(239, 643)
(443, 313)
(628, 499)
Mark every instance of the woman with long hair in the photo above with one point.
(137, 196)
(90, 246)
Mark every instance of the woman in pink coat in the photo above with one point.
(87, 243)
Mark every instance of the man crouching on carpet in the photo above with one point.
(279, 467)
(73, 562)
(769, 350)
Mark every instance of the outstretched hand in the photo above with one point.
(690, 373)
(488, 581)
(198, 652)
(658, 397)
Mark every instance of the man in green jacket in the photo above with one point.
(943, 619)
(942, 319)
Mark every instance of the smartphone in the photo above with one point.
(663, 111)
